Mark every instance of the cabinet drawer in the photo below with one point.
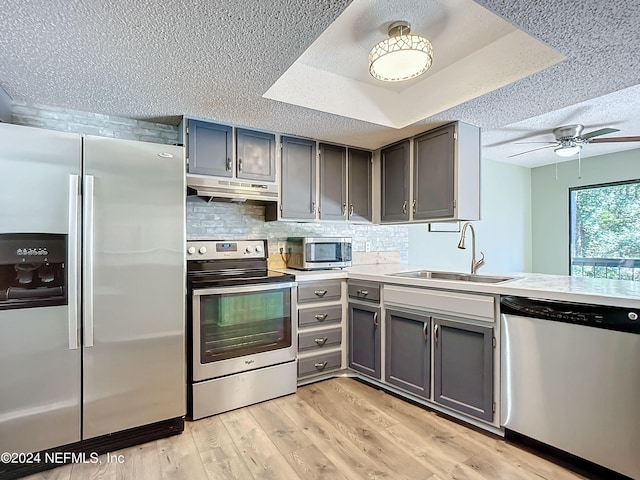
(319, 339)
(323, 362)
(364, 291)
(319, 315)
(319, 291)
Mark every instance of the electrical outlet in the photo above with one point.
(367, 246)
(281, 246)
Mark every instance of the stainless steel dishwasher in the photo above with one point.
(571, 378)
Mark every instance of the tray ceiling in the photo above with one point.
(215, 60)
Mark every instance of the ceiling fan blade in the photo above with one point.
(529, 151)
(615, 140)
(597, 133)
(523, 143)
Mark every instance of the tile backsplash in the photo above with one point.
(216, 220)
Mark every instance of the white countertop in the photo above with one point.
(621, 293)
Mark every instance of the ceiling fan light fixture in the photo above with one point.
(401, 56)
(567, 150)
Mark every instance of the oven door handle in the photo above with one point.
(260, 287)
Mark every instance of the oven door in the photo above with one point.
(242, 328)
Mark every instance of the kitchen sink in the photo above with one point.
(460, 277)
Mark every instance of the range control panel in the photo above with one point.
(226, 249)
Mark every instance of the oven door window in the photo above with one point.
(238, 324)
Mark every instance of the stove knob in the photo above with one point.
(258, 249)
(633, 316)
(203, 250)
(191, 250)
(249, 249)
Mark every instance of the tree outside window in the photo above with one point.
(605, 231)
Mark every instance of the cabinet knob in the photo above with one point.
(320, 293)
(320, 366)
(320, 341)
(321, 316)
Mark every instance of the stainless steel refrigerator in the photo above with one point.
(92, 286)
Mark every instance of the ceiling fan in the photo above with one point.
(570, 140)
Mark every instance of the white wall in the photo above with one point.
(503, 233)
(550, 202)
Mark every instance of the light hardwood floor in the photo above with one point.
(336, 429)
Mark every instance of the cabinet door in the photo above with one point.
(463, 367)
(298, 179)
(364, 338)
(434, 174)
(209, 148)
(333, 182)
(395, 183)
(408, 353)
(360, 171)
(256, 155)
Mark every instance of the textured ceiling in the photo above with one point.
(475, 52)
(215, 60)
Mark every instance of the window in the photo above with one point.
(605, 230)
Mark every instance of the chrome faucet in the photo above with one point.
(474, 265)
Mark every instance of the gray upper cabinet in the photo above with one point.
(395, 182)
(434, 174)
(256, 155)
(408, 351)
(333, 182)
(440, 183)
(463, 367)
(298, 189)
(210, 148)
(360, 184)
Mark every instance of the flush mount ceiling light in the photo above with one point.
(401, 56)
(567, 150)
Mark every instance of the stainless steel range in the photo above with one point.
(241, 327)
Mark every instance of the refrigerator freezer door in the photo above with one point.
(134, 374)
(39, 358)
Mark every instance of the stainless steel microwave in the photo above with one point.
(316, 253)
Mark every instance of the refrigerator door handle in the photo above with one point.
(87, 254)
(72, 260)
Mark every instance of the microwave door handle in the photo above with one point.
(72, 260)
(88, 253)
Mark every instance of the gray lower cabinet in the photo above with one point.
(210, 148)
(333, 182)
(463, 367)
(298, 188)
(360, 186)
(408, 351)
(256, 155)
(395, 183)
(364, 338)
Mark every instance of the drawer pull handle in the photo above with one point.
(320, 293)
(320, 366)
(364, 293)
(320, 341)
(321, 316)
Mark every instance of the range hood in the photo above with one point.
(232, 189)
